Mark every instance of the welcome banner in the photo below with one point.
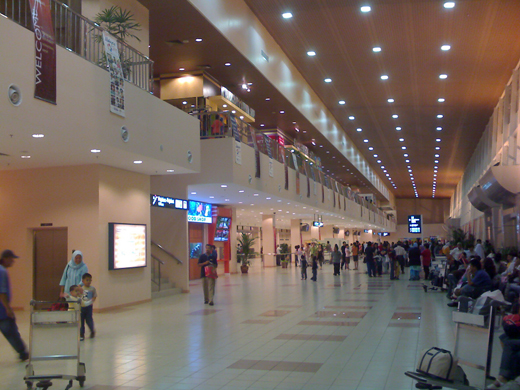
(117, 83)
(45, 48)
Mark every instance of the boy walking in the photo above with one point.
(303, 265)
(87, 302)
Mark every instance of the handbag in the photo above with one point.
(210, 272)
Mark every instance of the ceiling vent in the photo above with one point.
(177, 42)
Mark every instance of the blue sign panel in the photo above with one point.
(415, 224)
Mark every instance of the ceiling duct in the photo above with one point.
(500, 184)
(479, 200)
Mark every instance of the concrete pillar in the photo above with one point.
(326, 233)
(315, 233)
(341, 234)
(268, 240)
(233, 265)
(296, 238)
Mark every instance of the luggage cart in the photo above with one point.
(474, 336)
(54, 335)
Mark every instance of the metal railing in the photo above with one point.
(82, 36)
(156, 271)
(218, 125)
(167, 252)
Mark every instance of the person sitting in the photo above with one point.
(478, 282)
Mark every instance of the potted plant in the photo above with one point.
(285, 255)
(246, 242)
(121, 24)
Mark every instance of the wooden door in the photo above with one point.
(50, 258)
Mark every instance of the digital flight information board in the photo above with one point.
(415, 224)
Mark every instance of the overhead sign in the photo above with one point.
(415, 224)
(317, 224)
(384, 234)
(168, 203)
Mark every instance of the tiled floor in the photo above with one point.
(267, 330)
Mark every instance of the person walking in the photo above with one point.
(426, 260)
(369, 259)
(343, 255)
(347, 257)
(320, 255)
(207, 260)
(8, 325)
(414, 256)
(336, 259)
(314, 270)
(355, 255)
(73, 273)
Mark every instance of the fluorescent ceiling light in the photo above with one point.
(287, 15)
(376, 49)
(327, 80)
(445, 47)
(342, 102)
(311, 53)
(391, 100)
(443, 76)
(367, 8)
(441, 100)
(384, 77)
(449, 4)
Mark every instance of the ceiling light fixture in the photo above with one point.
(311, 53)
(366, 9)
(365, 141)
(376, 49)
(138, 162)
(391, 100)
(227, 64)
(327, 80)
(170, 170)
(440, 116)
(395, 116)
(384, 77)
(445, 47)
(359, 129)
(181, 69)
(443, 76)
(38, 135)
(198, 40)
(441, 100)
(287, 15)
(223, 186)
(401, 139)
(342, 102)
(438, 128)
(95, 151)
(449, 4)
(351, 118)
(398, 128)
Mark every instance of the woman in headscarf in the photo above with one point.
(73, 273)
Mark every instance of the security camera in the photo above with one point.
(14, 95)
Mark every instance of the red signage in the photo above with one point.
(45, 48)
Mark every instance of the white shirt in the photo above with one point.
(400, 251)
(480, 251)
(456, 253)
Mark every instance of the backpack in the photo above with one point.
(437, 363)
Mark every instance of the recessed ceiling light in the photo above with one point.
(437, 140)
(138, 162)
(198, 40)
(445, 47)
(403, 147)
(391, 100)
(375, 155)
(359, 129)
(437, 148)
(449, 4)
(170, 170)
(401, 139)
(185, 102)
(351, 118)
(438, 128)
(282, 112)
(378, 161)
(435, 171)
(181, 69)
(223, 186)
(395, 116)
(406, 161)
(365, 141)
(440, 116)
(212, 197)
(371, 148)
(95, 151)
(38, 135)
(193, 193)
(366, 9)
(342, 102)
(376, 49)
(287, 15)
(267, 98)
(437, 155)
(398, 128)
(384, 77)
(311, 53)
(25, 156)
(443, 76)
(227, 64)
(436, 161)
(233, 112)
(241, 191)
(328, 80)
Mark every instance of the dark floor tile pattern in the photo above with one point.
(263, 322)
(203, 312)
(406, 316)
(275, 313)
(274, 365)
(340, 314)
(311, 337)
(328, 323)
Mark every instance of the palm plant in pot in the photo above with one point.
(246, 242)
(285, 255)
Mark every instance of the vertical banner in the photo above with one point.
(281, 152)
(236, 136)
(257, 153)
(295, 160)
(268, 146)
(45, 50)
(308, 174)
(117, 84)
(322, 177)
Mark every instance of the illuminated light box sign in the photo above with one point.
(199, 212)
(415, 224)
(126, 246)
(168, 203)
(317, 224)
(384, 234)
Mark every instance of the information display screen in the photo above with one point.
(199, 212)
(167, 202)
(126, 246)
(222, 229)
(415, 224)
(317, 224)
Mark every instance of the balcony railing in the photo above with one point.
(218, 125)
(79, 35)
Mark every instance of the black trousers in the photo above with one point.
(304, 273)
(336, 268)
(314, 274)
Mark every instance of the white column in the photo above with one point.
(296, 238)
(268, 240)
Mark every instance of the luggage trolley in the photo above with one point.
(54, 335)
(474, 336)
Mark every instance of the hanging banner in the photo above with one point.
(281, 153)
(45, 49)
(238, 143)
(308, 174)
(268, 147)
(295, 161)
(257, 153)
(322, 177)
(117, 83)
